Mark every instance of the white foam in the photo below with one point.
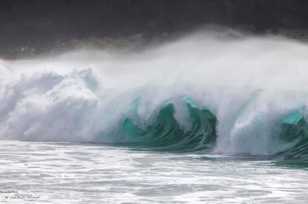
(248, 82)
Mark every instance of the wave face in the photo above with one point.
(165, 133)
(227, 93)
(294, 132)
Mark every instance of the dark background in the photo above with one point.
(40, 25)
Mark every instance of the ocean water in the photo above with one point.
(35, 172)
(207, 118)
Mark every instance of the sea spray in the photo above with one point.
(249, 83)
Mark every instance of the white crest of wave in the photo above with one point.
(248, 82)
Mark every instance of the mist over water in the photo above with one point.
(248, 82)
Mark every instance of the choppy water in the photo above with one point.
(66, 173)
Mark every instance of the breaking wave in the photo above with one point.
(165, 133)
(225, 93)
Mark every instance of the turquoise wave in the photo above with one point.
(165, 133)
(294, 131)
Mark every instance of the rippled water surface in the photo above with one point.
(64, 173)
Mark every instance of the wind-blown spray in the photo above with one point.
(246, 83)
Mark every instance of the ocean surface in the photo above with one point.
(206, 118)
(35, 172)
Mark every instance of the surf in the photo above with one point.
(226, 93)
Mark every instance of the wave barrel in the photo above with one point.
(164, 132)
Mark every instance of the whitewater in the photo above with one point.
(211, 117)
